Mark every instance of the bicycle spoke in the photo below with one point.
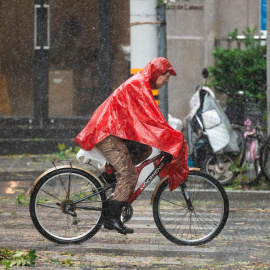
(67, 222)
(48, 193)
(184, 206)
(49, 206)
(197, 224)
(69, 183)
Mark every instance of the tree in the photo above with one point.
(241, 68)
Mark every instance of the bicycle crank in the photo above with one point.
(127, 212)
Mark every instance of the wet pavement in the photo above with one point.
(19, 171)
(244, 243)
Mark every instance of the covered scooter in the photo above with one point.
(211, 139)
(213, 121)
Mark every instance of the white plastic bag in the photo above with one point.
(93, 154)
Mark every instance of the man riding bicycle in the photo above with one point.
(129, 114)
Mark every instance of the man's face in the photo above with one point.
(162, 79)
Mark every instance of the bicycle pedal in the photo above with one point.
(73, 214)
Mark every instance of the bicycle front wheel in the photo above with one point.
(194, 224)
(54, 213)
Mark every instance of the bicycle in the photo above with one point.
(67, 203)
(264, 160)
(251, 154)
(249, 164)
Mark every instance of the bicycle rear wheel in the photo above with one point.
(186, 226)
(240, 142)
(53, 212)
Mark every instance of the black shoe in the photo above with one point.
(127, 230)
(107, 225)
(112, 217)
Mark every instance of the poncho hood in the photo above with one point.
(131, 112)
(155, 68)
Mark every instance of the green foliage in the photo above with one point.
(64, 151)
(22, 200)
(236, 167)
(67, 262)
(241, 68)
(159, 3)
(53, 261)
(10, 258)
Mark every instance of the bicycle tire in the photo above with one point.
(222, 171)
(240, 142)
(186, 227)
(251, 169)
(50, 206)
(265, 159)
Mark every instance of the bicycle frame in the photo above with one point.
(166, 158)
(253, 135)
(252, 147)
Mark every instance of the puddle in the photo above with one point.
(14, 187)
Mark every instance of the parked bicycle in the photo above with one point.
(248, 162)
(67, 203)
(265, 159)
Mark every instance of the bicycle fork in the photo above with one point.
(186, 196)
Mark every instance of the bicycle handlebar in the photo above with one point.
(224, 91)
(241, 97)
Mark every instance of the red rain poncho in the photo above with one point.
(131, 112)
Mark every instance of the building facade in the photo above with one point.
(192, 28)
(72, 41)
(60, 59)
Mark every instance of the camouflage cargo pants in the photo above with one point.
(116, 152)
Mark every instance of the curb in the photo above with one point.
(20, 176)
(251, 195)
(233, 195)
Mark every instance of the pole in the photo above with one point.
(268, 69)
(104, 54)
(143, 33)
(41, 61)
(162, 52)
(143, 36)
(144, 47)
